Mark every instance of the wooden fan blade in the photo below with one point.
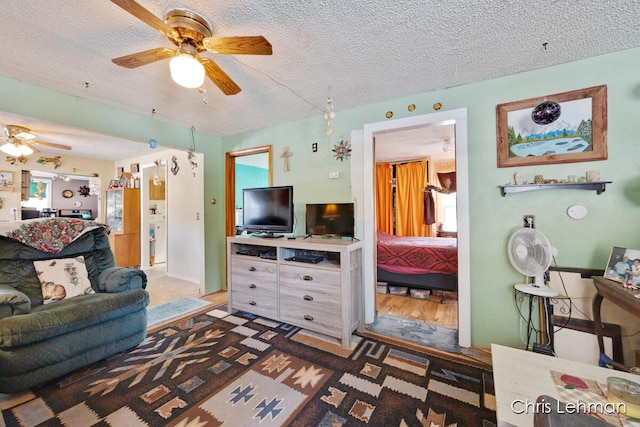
(219, 77)
(148, 18)
(143, 58)
(48, 144)
(251, 45)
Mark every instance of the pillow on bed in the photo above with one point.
(63, 278)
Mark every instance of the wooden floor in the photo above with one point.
(430, 310)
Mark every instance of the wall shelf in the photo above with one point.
(599, 187)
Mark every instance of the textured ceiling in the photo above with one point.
(356, 52)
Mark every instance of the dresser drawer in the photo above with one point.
(295, 275)
(250, 270)
(313, 315)
(259, 300)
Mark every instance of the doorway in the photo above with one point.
(410, 166)
(259, 158)
(362, 175)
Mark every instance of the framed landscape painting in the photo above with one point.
(573, 130)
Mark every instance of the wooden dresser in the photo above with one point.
(264, 278)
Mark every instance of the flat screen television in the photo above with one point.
(268, 210)
(330, 219)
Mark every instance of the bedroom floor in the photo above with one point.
(429, 310)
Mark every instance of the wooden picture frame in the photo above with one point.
(578, 135)
(6, 179)
(113, 183)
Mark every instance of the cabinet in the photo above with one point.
(326, 297)
(123, 217)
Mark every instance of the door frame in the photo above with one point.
(362, 173)
(230, 182)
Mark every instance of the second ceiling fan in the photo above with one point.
(191, 34)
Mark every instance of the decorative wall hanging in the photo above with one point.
(153, 143)
(191, 156)
(577, 134)
(84, 190)
(174, 165)
(6, 179)
(67, 194)
(55, 160)
(135, 167)
(285, 157)
(16, 160)
(342, 150)
(329, 115)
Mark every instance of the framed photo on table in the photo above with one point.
(624, 266)
(6, 179)
(559, 128)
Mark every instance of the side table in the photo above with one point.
(624, 298)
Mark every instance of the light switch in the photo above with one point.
(334, 175)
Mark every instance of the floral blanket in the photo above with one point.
(48, 234)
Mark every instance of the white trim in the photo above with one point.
(362, 173)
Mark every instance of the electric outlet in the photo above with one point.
(529, 221)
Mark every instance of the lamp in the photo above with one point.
(16, 149)
(185, 68)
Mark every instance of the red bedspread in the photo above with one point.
(420, 254)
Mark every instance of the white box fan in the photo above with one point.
(531, 254)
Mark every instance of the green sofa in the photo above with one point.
(40, 342)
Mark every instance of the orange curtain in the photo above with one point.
(411, 179)
(384, 202)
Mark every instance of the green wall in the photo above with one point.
(612, 217)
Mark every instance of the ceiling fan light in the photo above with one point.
(16, 150)
(187, 71)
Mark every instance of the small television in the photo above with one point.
(330, 219)
(268, 210)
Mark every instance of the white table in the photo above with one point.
(522, 376)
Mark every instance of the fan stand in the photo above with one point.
(543, 292)
(537, 290)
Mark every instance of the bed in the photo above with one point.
(418, 262)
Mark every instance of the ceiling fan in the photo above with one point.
(20, 142)
(191, 34)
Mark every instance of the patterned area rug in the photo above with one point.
(417, 332)
(216, 369)
(172, 309)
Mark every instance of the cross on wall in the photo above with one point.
(285, 156)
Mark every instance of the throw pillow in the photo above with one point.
(63, 278)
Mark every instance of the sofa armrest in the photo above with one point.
(118, 279)
(12, 301)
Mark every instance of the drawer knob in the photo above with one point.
(308, 298)
(308, 317)
(307, 278)
(253, 303)
(252, 269)
(252, 286)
